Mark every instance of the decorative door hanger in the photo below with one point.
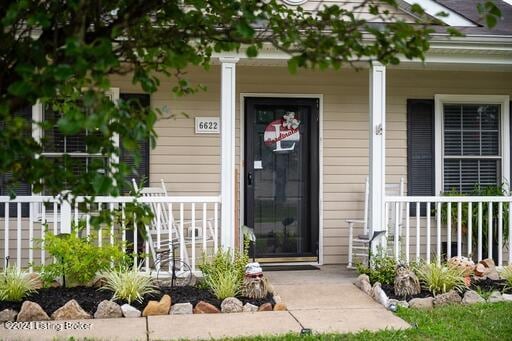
(285, 129)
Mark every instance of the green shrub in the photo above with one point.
(506, 274)
(129, 285)
(15, 284)
(383, 269)
(78, 259)
(224, 272)
(439, 279)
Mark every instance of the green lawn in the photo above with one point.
(476, 322)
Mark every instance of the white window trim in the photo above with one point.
(502, 100)
(37, 134)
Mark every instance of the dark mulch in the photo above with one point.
(490, 285)
(51, 299)
(390, 291)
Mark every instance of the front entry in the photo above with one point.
(282, 177)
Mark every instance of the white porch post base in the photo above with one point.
(227, 127)
(377, 149)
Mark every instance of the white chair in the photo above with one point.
(164, 231)
(358, 243)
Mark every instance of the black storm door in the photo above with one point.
(282, 177)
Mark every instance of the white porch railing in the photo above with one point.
(476, 224)
(22, 235)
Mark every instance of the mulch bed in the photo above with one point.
(390, 291)
(51, 299)
(477, 285)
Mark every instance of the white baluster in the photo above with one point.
(470, 229)
(417, 231)
(438, 234)
(449, 233)
(428, 232)
(31, 236)
(193, 237)
(18, 236)
(407, 231)
(489, 233)
(459, 229)
(216, 227)
(480, 227)
(500, 234)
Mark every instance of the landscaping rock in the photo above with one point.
(31, 311)
(231, 305)
(277, 299)
(472, 297)
(108, 309)
(422, 303)
(487, 269)
(98, 282)
(70, 311)
(496, 296)
(379, 295)
(397, 303)
(462, 263)
(38, 282)
(507, 297)
(280, 307)
(203, 307)
(363, 283)
(129, 311)
(265, 307)
(8, 315)
(161, 307)
(250, 308)
(451, 297)
(493, 274)
(182, 309)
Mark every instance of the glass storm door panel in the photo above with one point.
(281, 176)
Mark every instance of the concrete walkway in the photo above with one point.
(324, 301)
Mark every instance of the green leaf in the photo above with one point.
(252, 51)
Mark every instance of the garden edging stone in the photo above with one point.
(130, 311)
(182, 309)
(8, 315)
(450, 297)
(108, 309)
(70, 311)
(31, 311)
(231, 305)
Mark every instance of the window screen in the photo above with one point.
(472, 153)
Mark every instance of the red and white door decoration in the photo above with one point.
(285, 129)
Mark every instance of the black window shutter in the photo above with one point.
(142, 170)
(420, 150)
(20, 188)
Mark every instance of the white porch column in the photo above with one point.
(227, 154)
(377, 141)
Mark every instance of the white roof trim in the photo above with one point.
(432, 8)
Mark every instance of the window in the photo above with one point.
(471, 142)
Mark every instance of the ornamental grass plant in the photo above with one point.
(128, 284)
(439, 279)
(16, 284)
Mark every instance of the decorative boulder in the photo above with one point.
(36, 280)
(496, 296)
(507, 297)
(265, 307)
(397, 303)
(182, 309)
(231, 305)
(379, 295)
(463, 263)
(280, 307)
(250, 308)
(487, 269)
(406, 282)
(426, 303)
(108, 309)
(451, 297)
(8, 315)
(363, 283)
(203, 307)
(70, 311)
(161, 307)
(31, 311)
(472, 297)
(129, 311)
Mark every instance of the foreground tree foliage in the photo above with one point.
(62, 52)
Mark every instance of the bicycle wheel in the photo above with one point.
(174, 272)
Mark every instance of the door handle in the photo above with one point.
(249, 178)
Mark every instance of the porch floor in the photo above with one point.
(323, 300)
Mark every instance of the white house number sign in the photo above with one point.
(207, 125)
